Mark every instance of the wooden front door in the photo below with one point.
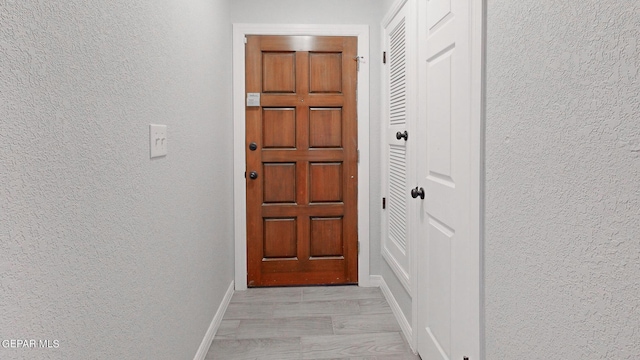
(301, 146)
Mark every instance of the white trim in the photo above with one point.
(239, 32)
(215, 324)
(378, 281)
(477, 183)
(392, 12)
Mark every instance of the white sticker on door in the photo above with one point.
(253, 99)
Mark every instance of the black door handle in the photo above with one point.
(417, 192)
(253, 146)
(253, 175)
(400, 135)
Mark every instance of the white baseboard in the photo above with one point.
(405, 325)
(215, 324)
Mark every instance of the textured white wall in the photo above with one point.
(563, 180)
(115, 255)
(387, 4)
(360, 12)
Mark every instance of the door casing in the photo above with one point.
(239, 190)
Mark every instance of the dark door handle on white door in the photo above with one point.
(417, 192)
(400, 135)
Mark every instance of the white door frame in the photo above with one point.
(239, 188)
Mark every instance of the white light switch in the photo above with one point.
(158, 140)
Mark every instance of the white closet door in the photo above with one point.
(448, 265)
(397, 140)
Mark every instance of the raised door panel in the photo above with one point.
(439, 110)
(278, 128)
(326, 238)
(325, 72)
(279, 72)
(438, 309)
(279, 183)
(280, 238)
(438, 10)
(325, 128)
(325, 182)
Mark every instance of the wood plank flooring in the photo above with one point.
(332, 322)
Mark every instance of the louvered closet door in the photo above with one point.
(395, 247)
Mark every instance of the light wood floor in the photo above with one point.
(333, 322)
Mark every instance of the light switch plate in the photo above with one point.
(158, 140)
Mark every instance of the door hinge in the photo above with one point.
(358, 155)
(245, 39)
(245, 174)
(358, 247)
(384, 202)
(384, 57)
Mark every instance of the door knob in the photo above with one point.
(400, 135)
(417, 192)
(253, 175)
(253, 146)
